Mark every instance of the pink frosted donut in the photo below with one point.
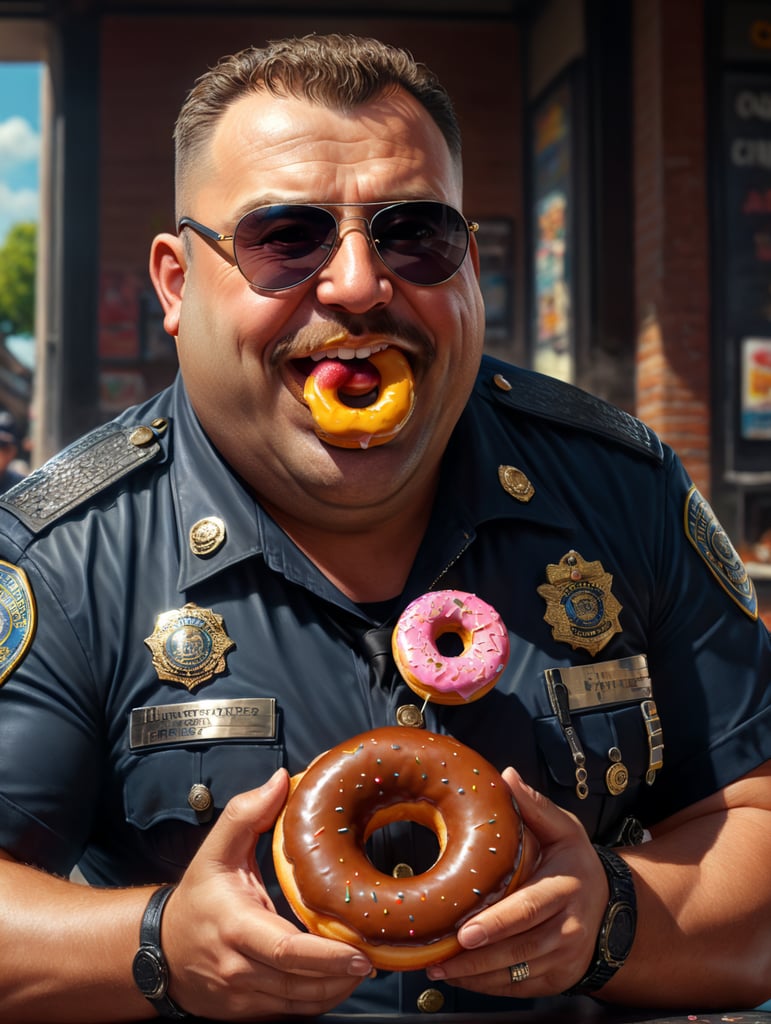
(450, 679)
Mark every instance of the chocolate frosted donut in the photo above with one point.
(397, 774)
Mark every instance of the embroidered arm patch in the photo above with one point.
(713, 544)
(17, 617)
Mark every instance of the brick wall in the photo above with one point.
(671, 233)
(671, 229)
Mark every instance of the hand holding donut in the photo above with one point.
(230, 955)
(549, 923)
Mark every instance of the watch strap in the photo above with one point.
(621, 895)
(150, 944)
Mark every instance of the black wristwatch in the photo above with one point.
(151, 972)
(616, 935)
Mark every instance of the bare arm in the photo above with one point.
(704, 895)
(67, 949)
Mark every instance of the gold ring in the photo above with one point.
(519, 972)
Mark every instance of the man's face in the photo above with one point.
(244, 353)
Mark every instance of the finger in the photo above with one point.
(544, 976)
(244, 819)
(548, 822)
(296, 952)
(529, 945)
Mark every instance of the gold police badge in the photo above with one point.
(580, 607)
(189, 645)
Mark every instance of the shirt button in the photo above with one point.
(402, 871)
(430, 1000)
(141, 436)
(200, 798)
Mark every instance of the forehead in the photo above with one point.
(267, 148)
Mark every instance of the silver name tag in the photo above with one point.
(201, 721)
(608, 682)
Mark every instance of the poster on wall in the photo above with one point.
(552, 233)
(756, 389)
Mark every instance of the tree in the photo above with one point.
(18, 259)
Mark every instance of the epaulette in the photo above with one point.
(81, 470)
(551, 399)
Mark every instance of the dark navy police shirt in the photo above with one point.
(122, 734)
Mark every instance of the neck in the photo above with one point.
(368, 563)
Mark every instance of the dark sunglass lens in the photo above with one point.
(280, 246)
(423, 242)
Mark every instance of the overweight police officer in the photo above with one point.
(198, 598)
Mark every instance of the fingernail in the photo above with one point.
(359, 966)
(473, 935)
(436, 973)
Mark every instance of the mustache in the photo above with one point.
(350, 326)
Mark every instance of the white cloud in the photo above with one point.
(17, 205)
(19, 143)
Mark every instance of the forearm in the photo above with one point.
(704, 915)
(67, 949)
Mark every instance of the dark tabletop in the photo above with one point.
(576, 1011)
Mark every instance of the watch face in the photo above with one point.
(150, 973)
(618, 934)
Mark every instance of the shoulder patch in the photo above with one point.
(17, 617)
(552, 399)
(81, 470)
(713, 544)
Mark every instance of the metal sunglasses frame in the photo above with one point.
(217, 236)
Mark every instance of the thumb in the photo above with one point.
(548, 822)
(245, 818)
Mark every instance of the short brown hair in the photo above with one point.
(336, 71)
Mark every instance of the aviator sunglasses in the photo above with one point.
(275, 247)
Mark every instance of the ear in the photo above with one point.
(168, 266)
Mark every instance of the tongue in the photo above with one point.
(352, 377)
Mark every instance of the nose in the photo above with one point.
(354, 279)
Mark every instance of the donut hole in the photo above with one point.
(354, 401)
(450, 643)
(422, 843)
(429, 835)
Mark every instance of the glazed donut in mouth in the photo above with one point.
(390, 774)
(439, 676)
(333, 389)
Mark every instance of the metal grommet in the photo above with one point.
(141, 437)
(430, 1000)
(411, 715)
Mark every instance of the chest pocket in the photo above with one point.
(174, 795)
(618, 758)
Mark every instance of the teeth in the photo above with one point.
(348, 353)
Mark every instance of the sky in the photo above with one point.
(19, 144)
